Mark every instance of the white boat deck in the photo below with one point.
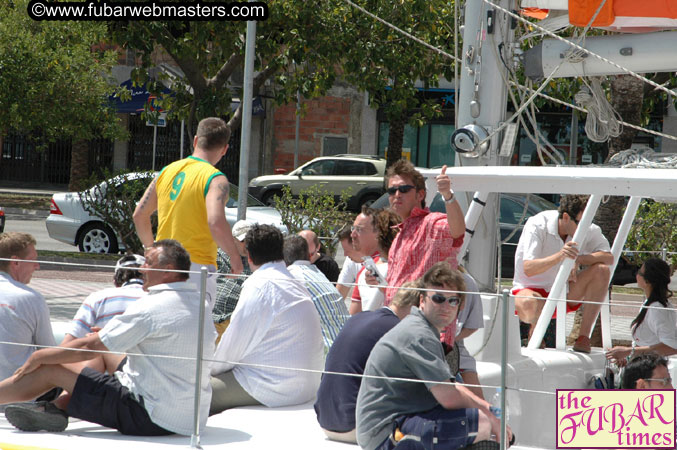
(239, 429)
(254, 427)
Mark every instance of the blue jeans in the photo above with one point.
(448, 429)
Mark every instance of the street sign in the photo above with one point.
(161, 121)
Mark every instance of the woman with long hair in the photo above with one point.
(655, 327)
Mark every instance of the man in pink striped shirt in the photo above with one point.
(425, 237)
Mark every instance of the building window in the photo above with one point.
(334, 145)
(428, 146)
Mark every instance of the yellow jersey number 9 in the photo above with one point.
(177, 184)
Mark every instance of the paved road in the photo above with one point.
(36, 227)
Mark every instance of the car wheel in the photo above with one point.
(268, 198)
(97, 238)
(368, 199)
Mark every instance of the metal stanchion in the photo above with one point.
(504, 369)
(195, 437)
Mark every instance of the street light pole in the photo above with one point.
(246, 105)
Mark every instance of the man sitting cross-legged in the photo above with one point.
(148, 396)
(396, 411)
(545, 242)
(274, 324)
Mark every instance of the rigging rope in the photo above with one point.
(603, 121)
(544, 31)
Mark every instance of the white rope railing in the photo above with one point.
(270, 366)
(202, 360)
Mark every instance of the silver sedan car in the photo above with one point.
(71, 223)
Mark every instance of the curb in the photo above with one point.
(37, 213)
(78, 264)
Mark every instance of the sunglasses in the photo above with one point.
(358, 230)
(665, 381)
(439, 299)
(403, 189)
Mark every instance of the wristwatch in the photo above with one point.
(451, 199)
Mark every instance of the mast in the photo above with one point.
(481, 109)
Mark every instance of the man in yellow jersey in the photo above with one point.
(190, 196)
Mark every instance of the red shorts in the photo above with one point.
(570, 307)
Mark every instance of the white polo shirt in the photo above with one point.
(540, 238)
(164, 322)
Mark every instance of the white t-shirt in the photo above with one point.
(659, 326)
(371, 297)
(540, 238)
(349, 271)
(164, 322)
(471, 316)
(274, 323)
(24, 319)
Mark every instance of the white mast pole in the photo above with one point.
(482, 107)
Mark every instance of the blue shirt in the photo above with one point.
(337, 396)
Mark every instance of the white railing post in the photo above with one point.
(504, 367)
(616, 250)
(195, 438)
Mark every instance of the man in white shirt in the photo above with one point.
(274, 324)
(328, 302)
(544, 244)
(24, 315)
(147, 396)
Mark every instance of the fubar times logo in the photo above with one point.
(615, 418)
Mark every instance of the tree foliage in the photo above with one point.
(54, 77)
(317, 211)
(387, 65)
(294, 49)
(654, 229)
(301, 47)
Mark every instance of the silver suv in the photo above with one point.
(362, 175)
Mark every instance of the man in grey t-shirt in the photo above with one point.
(395, 413)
